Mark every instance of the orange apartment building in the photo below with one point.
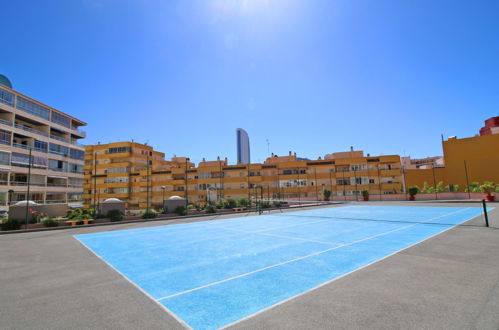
(141, 177)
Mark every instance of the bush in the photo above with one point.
(114, 215)
(265, 205)
(327, 194)
(180, 210)
(242, 202)
(230, 203)
(365, 193)
(413, 191)
(148, 214)
(276, 204)
(488, 188)
(50, 222)
(12, 224)
(440, 187)
(210, 209)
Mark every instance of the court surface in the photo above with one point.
(212, 274)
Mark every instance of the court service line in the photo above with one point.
(282, 236)
(306, 256)
(337, 278)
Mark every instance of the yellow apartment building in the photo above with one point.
(467, 160)
(141, 177)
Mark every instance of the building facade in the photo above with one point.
(243, 147)
(140, 176)
(52, 137)
(467, 160)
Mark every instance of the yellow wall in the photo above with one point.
(478, 155)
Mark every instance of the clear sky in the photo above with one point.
(311, 76)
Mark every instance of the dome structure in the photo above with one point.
(24, 203)
(112, 200)
(5, 81)
(175, 198)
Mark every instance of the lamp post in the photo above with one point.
(163, 188)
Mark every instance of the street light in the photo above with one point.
(163, 188)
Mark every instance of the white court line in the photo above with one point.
(339, 277)
(178, 319)
(305, 257)
(282, 236)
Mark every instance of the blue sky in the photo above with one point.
(311, 76)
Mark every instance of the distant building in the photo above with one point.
(55, 169)
(422, 163)
(243, 147)
(491, 126)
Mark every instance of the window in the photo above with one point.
(41, 146)
(5, 137)
(4, 158)
(60, 119)
(6, 97)
(75, 168)
(77, 154)
(32, 108)
(343, 182)
(118, 179)
(19, 159)
(38, 161)
(58, 149)
(118, 150)
(118, 170)
(58, 165)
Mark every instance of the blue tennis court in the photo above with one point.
(213, 273)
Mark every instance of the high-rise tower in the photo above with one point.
(243, 146)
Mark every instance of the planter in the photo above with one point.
(366, 199)
(490, 198)
(412, 198)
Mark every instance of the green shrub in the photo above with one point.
(327, 194)
(276, 204)
(230, 203)
(180, 210)
(148, 214)
(413, 191)
(11, 224)
(265, 205)
(440, 187)
(242, 202)
(210, 209)
(488, 187)
(114, 215)
(365, 193)
(191, 207)
(50, 222)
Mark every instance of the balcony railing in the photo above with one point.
(29, 129)
(6, 122)
(58, 138)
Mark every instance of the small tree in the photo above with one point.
(327, 194)
(427, 189)
(488, 188)
(413, 191)
(365, 194)
(456, 188)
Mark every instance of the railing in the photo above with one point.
(3, 183)
(55, 137)
(5, 142)
(18, 145)
(58, 153)
(6, 122)
(29, 129)
(56, 185)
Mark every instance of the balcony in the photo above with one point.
(29, 129)
(6, 122)
(58, 138)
